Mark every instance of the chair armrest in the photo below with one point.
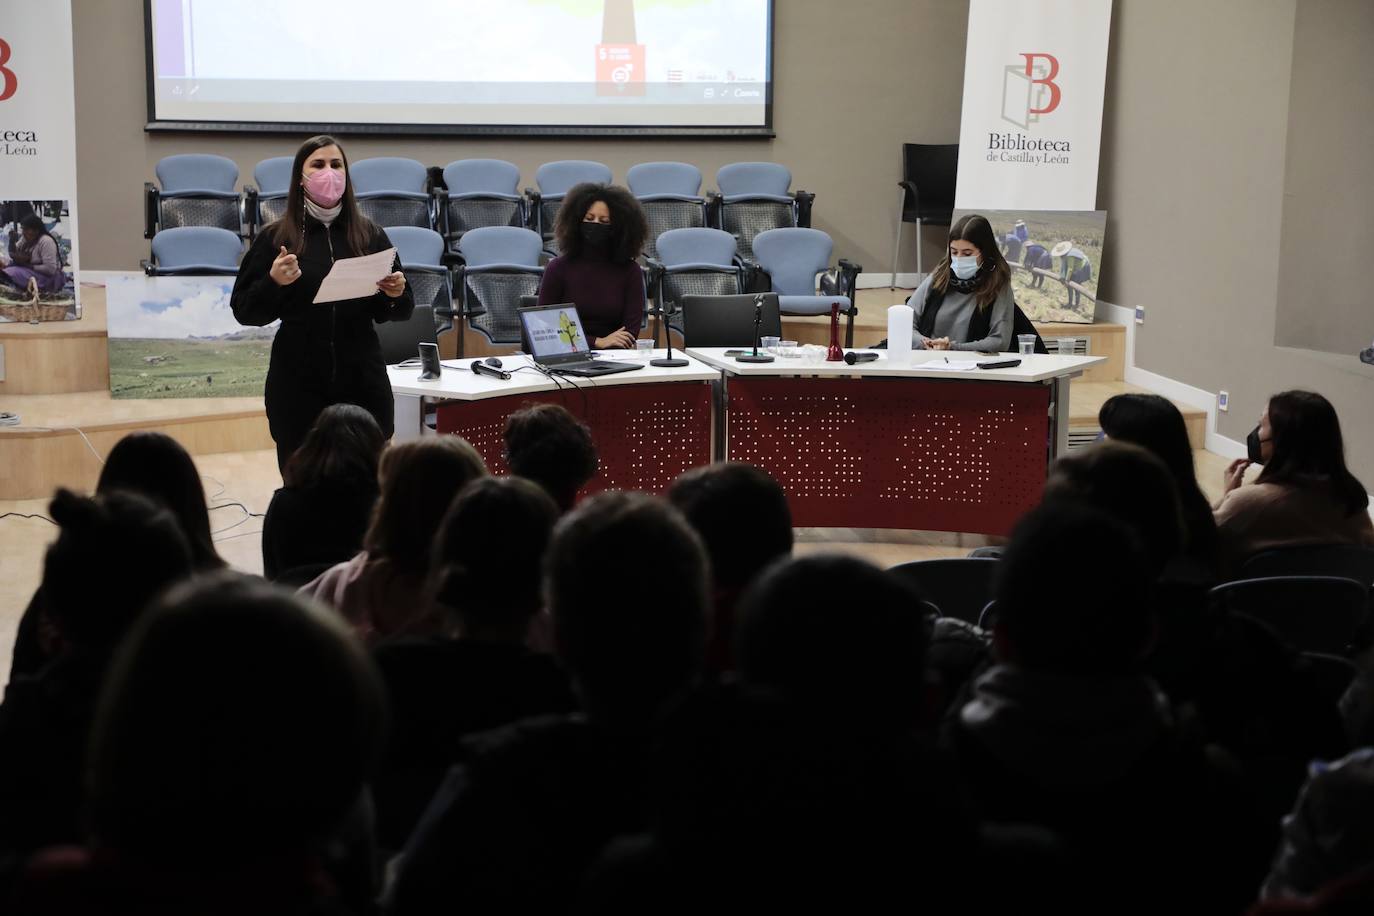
(250, 209)
(533, 213)
(910, 188)
(151, 196)
(849, 282)
(804, 201)
(148, 266)
(441, 213)
(434, 179)
(712, 206)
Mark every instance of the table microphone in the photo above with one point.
(482, 368)
(854, 356)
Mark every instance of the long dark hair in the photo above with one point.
(993, 273)
(1155, 424)
(343, 447)
(290, 229)
(1308, 450)
(629, 228)
(35, 222)
(156, 466)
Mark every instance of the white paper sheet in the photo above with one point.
(354, 278)
(957, 365)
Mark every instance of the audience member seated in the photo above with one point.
(1304, 494)
(236, 732)
(1155, 424)
(113, 554)
(515, 827)
(158, 467)
(1233, 678)
(320, 516)
(381, 591)
(741, 514)
(547, 444)
(1067, 733)
(477, 674)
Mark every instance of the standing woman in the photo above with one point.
(327, 353)
(966, 303)
(600, 230)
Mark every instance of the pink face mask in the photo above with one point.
(325, 187)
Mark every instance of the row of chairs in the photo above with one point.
(499, 265)
(751, 197)
(1319, 598)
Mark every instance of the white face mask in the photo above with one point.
(964, 268)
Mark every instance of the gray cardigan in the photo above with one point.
(953, 319)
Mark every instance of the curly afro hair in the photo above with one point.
(629, 229)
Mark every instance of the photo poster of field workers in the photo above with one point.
(34, 233)
(175, 337)
(1055, 257)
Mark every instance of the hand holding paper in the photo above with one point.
(356, 278)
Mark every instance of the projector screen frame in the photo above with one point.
(752, 132)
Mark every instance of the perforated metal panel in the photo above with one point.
(747, 218)
(921, 454)
(465, 215)
(389, 211)
(221, 212)
(645, 434)
(663, 215)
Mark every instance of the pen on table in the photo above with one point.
(946, 359)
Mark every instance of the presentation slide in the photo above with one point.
(553, 332)
(450, 65)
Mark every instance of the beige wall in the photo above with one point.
(1195, 139)
(854, 81)
(1328, 209)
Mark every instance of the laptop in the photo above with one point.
(553, 336)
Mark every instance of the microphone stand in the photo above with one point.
(667, 362)
(756, 356)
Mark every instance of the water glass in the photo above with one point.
(1026, 343)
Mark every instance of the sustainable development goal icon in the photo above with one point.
(1029, 89)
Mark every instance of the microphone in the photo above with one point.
(482, 368)
(756, 356)
(854, 356)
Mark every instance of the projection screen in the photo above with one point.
(674, 67)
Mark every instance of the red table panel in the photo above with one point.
(646, 434)
(921, 454)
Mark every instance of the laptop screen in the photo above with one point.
(554, 332)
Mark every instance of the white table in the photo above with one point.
(935, 444)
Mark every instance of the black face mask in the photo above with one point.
(596, 235)
(1253, 447)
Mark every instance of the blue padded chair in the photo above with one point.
(193, 189)
(753, 197)
(555, 179)
(393, 191)
(194, 250)
(793, 258)
(266, 201)
(1312, 613)
(421, 252)
(960, 587)
(692, 262)
(479, 193)
(500, 266)
(670, 193)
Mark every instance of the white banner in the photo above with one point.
(38, 139)
(1034, 77)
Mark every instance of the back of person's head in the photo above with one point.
(1154, 424)
(840, 635)
(1132, 485)
(1308, 449)
(419, 480)
(157, 466)
(489, 552)
(741, 513)
(342, 449)
(625, 581)
(547, 444)
(239, 720)
(114, 553)
(1103, 625)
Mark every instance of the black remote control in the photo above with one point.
(999, 364)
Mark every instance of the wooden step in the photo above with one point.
(57, 357)
(1086, 399)
(64, 437)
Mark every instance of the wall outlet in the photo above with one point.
(1140, 314)
(1223, 401)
